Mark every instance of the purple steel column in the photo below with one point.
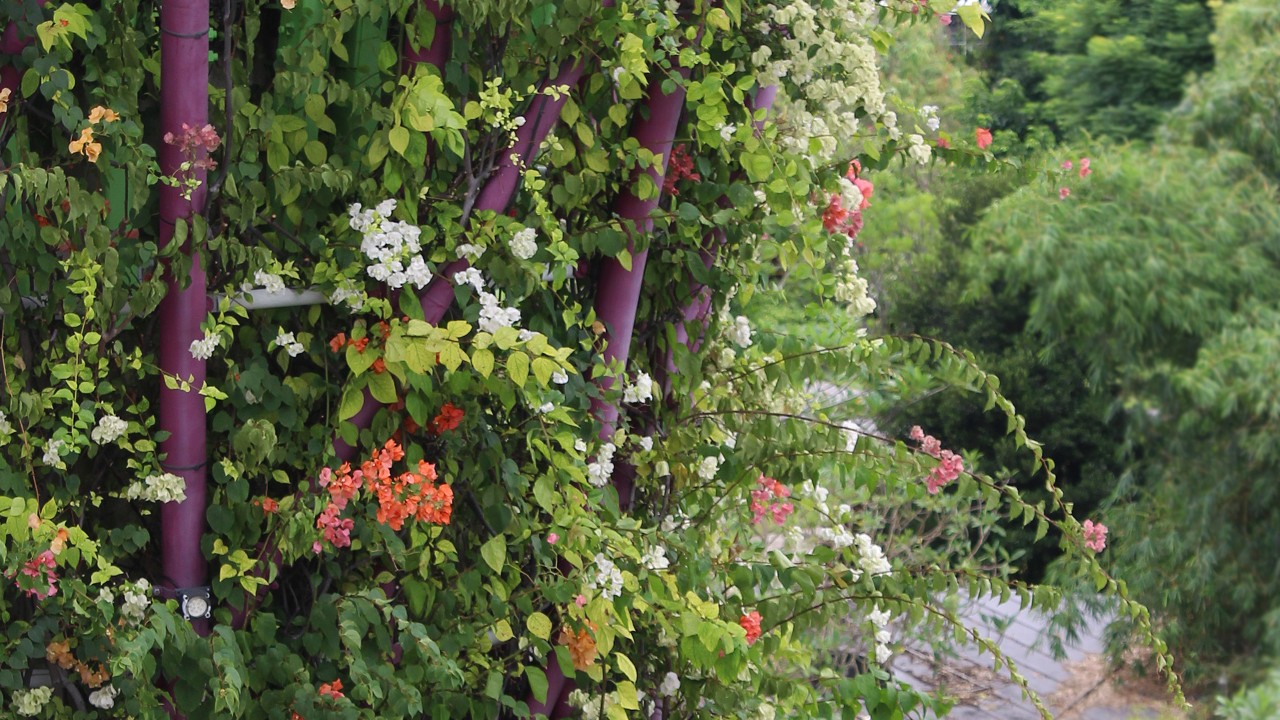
(441, 45)
(184, 99)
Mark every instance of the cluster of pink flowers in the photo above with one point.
(1095, 536)
(1085, 171)
(949, 467)
(763, 501)
(838, 218)
(192, 140)
(983, 137)
(41, 567)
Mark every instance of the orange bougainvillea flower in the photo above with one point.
(60, 653)
(59, 542)
(361, 344)
(85, 144)
(268, 505)
(379, 366)
(331, 690)
(93, 678)
(337, 342)
(100, 113)
(582, 647)
(449, 417)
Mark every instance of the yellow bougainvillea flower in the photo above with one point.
(99, 113)
(4, 100)
(85, 144)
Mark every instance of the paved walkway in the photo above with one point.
(1077, 687)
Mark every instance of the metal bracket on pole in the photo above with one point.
(194, 602)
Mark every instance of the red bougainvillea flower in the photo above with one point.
(679, 168)
(983, 136)
(449, 418)
(331, 690)
(751, 623)
(1095, 536)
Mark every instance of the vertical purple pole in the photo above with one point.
(438, 50)
(184, 99)
(12, 44)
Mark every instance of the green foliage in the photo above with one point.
(1258, 702)
(1102, 67)
(1236, 103)
(487, 533)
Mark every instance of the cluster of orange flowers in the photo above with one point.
(581, 645)
(400, 496)
(85, 144)
(59, 653)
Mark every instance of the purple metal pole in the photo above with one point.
(12, 44)
(618, 293)
(184, 99)
(438, 50)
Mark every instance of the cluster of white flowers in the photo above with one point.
(930, 115)
(917, 149)
(392, 245)
(646, 443)
(600, 471)
(203, 348)
(53, 452)
(104, 697)
(524, 243)
(350, 293)
(639, 391)
(108, 430)
(136, 601)
(546, 407)
(871, 556)
(6, 428)
(727, 131)
(740, 333)
(163, 488)
(268, 281)
(290, 344)
(493, 316)
(839, 537)
(655, 558)
(826, 52)
(31, 702)
(708, 467)
(560, 377)
(670, 685)
(880, 619)
(470, 252)
(608, 578)
(852, 289)
(592, 707)
(850, 195)
(676, 521)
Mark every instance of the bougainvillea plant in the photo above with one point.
(386, 359)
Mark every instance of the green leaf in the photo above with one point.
(502, 631)
(482, 361)
(352, 401)
(383, 388)
(540, 625)
(518, 368)
(543, 369)
(625, 665)
(494, 553)
(399, 138)
(972, 16)
(537, 682)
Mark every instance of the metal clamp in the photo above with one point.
(196, 603)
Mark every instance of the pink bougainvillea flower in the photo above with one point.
(944, 18)
(1085, 170)
(1095, 536)
(1067, 165)
(552, 539)
(983, 136)
(1064, 193)
(580, 601)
